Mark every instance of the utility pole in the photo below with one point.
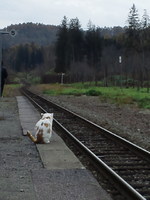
(62, 78)
(120, 62)
(13, 34)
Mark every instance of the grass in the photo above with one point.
(106, 94)
(11, 90)
(112, 94)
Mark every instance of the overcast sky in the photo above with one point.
(101, 12)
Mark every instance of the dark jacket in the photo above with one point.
(4, 74)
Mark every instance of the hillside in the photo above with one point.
(40, 34)
(44, 35)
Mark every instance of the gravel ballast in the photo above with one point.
(127, 121)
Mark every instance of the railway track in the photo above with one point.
(126, 164)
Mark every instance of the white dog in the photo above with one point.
(43, 129)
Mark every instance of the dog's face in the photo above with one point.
(47, 116)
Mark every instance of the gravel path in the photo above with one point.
(18, 158)
(129, 122)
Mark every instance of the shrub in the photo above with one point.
(35, 80)
(93, 92)
(49, 92)
(144, 103)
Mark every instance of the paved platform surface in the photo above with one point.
(39, 172)
(55, 155)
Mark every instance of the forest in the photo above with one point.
(117, 56)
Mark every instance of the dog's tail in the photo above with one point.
(31, 137)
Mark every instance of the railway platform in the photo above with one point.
(42, 171)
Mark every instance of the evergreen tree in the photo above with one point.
(22, 58)
(145, 46)
(62, 48)
(133, 18)
(135, 44)
(145, 20)
(75, 40)
(27, 57)
(132, 31)
(93, 45)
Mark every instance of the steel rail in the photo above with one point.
(125, 188)
(144, 153)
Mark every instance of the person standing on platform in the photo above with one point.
(4, 75)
